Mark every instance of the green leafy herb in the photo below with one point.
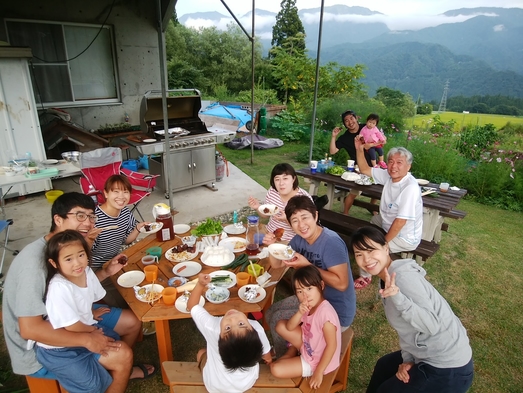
(335, 170)
(209, 227)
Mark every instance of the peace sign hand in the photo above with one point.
(390, 286)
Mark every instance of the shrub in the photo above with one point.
(290, 126)
(474, 140)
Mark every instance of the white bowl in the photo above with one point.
(217, 295)
(422, 182)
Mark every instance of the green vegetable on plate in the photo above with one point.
(209, 227)
(335, 170)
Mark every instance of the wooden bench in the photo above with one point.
(187, 377)
(345, 226)
(43, 385)
(455, 214)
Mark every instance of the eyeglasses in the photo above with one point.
(81, 216)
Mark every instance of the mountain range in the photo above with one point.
(480, 52)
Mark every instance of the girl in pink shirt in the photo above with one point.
(314, 330)
(371, 134)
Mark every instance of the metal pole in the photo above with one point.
(163, 79)
(313, 124)
(252, 88)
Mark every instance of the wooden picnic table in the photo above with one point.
(433, 204)
(161, 314)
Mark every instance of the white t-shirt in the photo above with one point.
(216, 377)
(68, 303)
(401, 200)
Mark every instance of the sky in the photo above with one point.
(400, 14)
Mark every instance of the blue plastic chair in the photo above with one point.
(4, 226)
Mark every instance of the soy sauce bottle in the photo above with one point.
(252, 235)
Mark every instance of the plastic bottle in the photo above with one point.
(252, 235)
(235, 217)
(163, 214)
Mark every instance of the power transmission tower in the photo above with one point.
(443, 103)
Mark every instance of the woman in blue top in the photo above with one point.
(324, 249)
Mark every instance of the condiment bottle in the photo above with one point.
(252, 235)
(162, 213)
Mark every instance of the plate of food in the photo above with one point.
(350, 176)
(187, 269)
(176, 281)
(335, 170)
(217, 295)
(268, 209)
(181, 228)
(181, 303)
(364, 180)
(208, 228)
(130, 279)
(422, 182)
(217, 256)
(177, 255)
(151, 227)
(234, 229)
(236, 244)
(252, 293)
(281, 251)
(223, 278)
(149, 293)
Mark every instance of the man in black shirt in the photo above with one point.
(346, 141)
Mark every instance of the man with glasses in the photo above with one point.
(24, 306)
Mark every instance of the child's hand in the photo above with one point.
(204, 279)
(97, 313)
(267, 358)
(304, 308)
(316, 380)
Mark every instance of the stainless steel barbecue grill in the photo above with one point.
(191, 144)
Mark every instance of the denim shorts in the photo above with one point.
(77, 369)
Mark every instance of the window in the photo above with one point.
(59, 77)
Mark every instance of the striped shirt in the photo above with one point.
(274, 198)
(108, 243)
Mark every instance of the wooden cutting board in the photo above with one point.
(137, 138)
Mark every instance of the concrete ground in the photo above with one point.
(32, 215)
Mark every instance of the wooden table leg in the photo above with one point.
(165, 349)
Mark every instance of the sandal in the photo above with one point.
(362, 282)
(146, 373)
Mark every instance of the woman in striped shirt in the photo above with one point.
(284, 185)
(122, 229)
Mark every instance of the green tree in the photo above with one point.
(424, 109)
(396, 99)
(288, 25)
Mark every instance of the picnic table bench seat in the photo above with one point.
(345, 226)
(187, 377)
(41, 385)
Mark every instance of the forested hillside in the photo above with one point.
(423, 69)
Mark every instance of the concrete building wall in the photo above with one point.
(136, 45)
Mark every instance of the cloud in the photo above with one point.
(393, 22)
(498, 28)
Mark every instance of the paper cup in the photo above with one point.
(350, 165)
(314, 166)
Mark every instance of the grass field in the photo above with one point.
(465, 119)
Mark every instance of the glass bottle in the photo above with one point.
(252, 235)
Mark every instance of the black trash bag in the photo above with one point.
(260, 142)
